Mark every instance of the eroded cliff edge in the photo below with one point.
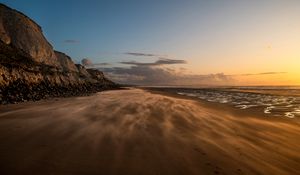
(31, 70)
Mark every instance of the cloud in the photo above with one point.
(270, 73)
(140, 74)
(149, 75)
(262, 73)
(161, 61)
(159, 73)
(71, 41)
(140, 54)
(101, 64)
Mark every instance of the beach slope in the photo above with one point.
(138, 132)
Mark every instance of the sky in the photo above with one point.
(176, 42)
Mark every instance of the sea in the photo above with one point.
(277, 101)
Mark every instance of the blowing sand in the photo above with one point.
(138, 132)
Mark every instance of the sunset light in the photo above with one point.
(149, 87)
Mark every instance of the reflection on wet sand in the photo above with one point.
(276, 104)
(137, 132)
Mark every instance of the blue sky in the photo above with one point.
(103, 28)
(227, 37)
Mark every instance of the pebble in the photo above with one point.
(20, 91)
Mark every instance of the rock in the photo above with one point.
(66, 62)
(31, 70)
(83, 73)
(23, 33)
(96, 74)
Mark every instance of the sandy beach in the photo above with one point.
(135, 131)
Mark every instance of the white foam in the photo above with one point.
(241, 106)
(271, 104)
(245, 106)
(289, 115)
(267, 110)
(191, 95)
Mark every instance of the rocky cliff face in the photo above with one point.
(22, 33)
(31, 70)
(65, 62)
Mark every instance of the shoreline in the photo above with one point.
(214, 105)
(135, 131)
(162, 91)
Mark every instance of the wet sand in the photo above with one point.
(138, 132)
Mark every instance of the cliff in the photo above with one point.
(31, 70)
